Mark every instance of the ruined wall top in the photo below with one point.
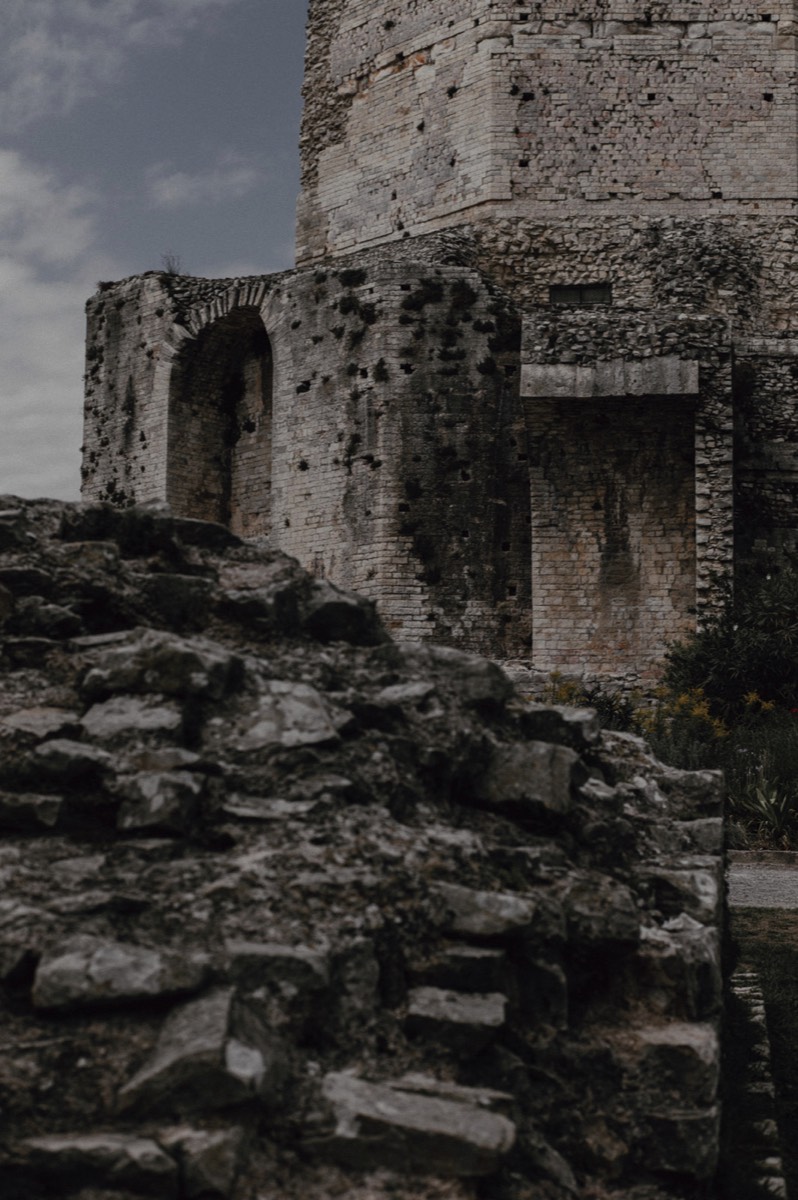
(421, 117)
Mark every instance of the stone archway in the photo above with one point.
(220, 424)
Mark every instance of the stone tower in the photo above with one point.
(533, 384)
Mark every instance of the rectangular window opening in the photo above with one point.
(580, 295)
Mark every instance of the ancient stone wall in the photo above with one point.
(418, 121)
(389, 455)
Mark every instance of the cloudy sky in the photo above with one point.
(129, 130)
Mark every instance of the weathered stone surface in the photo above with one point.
(208, 1158)
(144, 716)
(162, 663)
(62, 758)
(42, 722)
(290, 715)
(562, 724)
(337, 888)
(105, 1160)
(530, 778)
(599, 909)
(378, 1124)
(498, 914)
(158, 801)
(86, 971)
(199, 1062)
(458, 1019)
(690, 886)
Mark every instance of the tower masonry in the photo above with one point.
(533, 383)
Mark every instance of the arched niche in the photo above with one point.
(220, 425)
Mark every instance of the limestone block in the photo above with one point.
(109, 1160)
(680, 968)
(199, 1062)
(42, 722)
(528, 778)
(680, 1060)
(380, 1126)
(489, 915)
(158, 801)
(460, 1020)
(121, 716)
(289, 715)
(72, 762)
(162, 663)
(694, 888)
(87, 970)
(599, 909)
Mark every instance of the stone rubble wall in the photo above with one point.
(292, 910)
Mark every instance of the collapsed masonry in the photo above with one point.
(292, 910)
(533, 385)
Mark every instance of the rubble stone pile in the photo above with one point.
(291, 910)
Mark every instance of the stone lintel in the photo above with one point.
(668, 375)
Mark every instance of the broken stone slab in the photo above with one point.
(159, 801)
(333, 615)
(136, 716)
(116, 1161)
(562, 724)
(489, 915)
(156, 662)
(528, 778)
(477, 1097)
(208, 1159)
(379, 1126)
(599, 909)
(205, 1059)
(29, 813)
(288, 715)
(460, 1020)
(465, 969)
(87, 970)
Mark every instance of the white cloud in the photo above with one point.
(55, 53)
(233, 176)
(48, 265)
